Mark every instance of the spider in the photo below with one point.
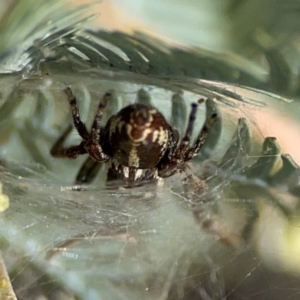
(137, 144)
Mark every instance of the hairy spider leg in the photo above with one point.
(79, 125)
(72, 152)
(195, 149)
(192, 182)
(90, 144)
(88, 171)
(91, 167)
(177, 158)
(184, 153)
(96, 127)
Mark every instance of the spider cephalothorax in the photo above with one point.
(137, 143)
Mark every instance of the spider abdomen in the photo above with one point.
(138, 136)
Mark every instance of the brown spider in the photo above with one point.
(137, 143)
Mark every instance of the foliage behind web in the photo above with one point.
(268, 31)
(64, 39)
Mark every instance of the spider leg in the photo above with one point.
(93, 146)
(72, 152)
(191, 182)
(212, 226)
(79, 125)
(196, 192)
(194, 150)
(90, 168)
(96, 127)
(184, 153)
(88, 171)
(177, 157)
